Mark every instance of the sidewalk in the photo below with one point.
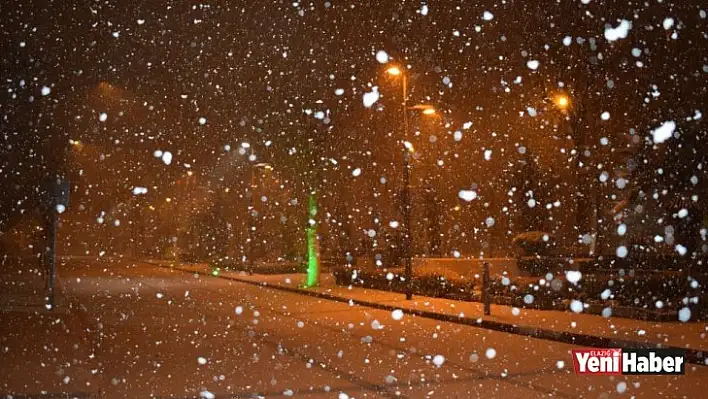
(43, 352)
(581, 329)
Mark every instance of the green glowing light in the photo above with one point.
(313, 249)
(215, 272)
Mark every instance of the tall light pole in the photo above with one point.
(407, 149)
(407, 261)
(564, 104)
(252, 213)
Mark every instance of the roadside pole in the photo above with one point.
(51, 257)
(486, 297)
(55, 201)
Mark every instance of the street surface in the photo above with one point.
(148, 331)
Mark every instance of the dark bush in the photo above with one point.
(236, 265)
(534, 242)
(427, 285)
(188, 257)
(539, 265)
(630, 291)
(672, 290)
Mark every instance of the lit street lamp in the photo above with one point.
(252, 215)
(562, 102)
(407, 149)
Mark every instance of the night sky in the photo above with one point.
(252, 68)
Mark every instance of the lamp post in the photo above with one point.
(564, 104)
(407, 262)
(407, 149)
(252, 214)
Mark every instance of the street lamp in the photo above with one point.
(408, 271)
(564, 104)
(395, 71)
(561, 101)
(251, 213)
(407, 149)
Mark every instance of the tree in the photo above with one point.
(530, 213)
(669, 180)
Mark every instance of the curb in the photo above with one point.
(693, 356)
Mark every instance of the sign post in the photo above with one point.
(55, 201)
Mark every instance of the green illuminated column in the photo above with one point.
(313, 245)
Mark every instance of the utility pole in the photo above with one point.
(55, 201)
(251, 221)
(407, 237)
(407, 149)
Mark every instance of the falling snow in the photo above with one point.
(371, 97)
(619, 32)
(397, 314)
(491, 353)
(382, 57)
(167, 157)
(663, 132)
(193, 177)
(668, 23)
(576, 306)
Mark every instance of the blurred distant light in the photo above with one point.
(245, 145)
